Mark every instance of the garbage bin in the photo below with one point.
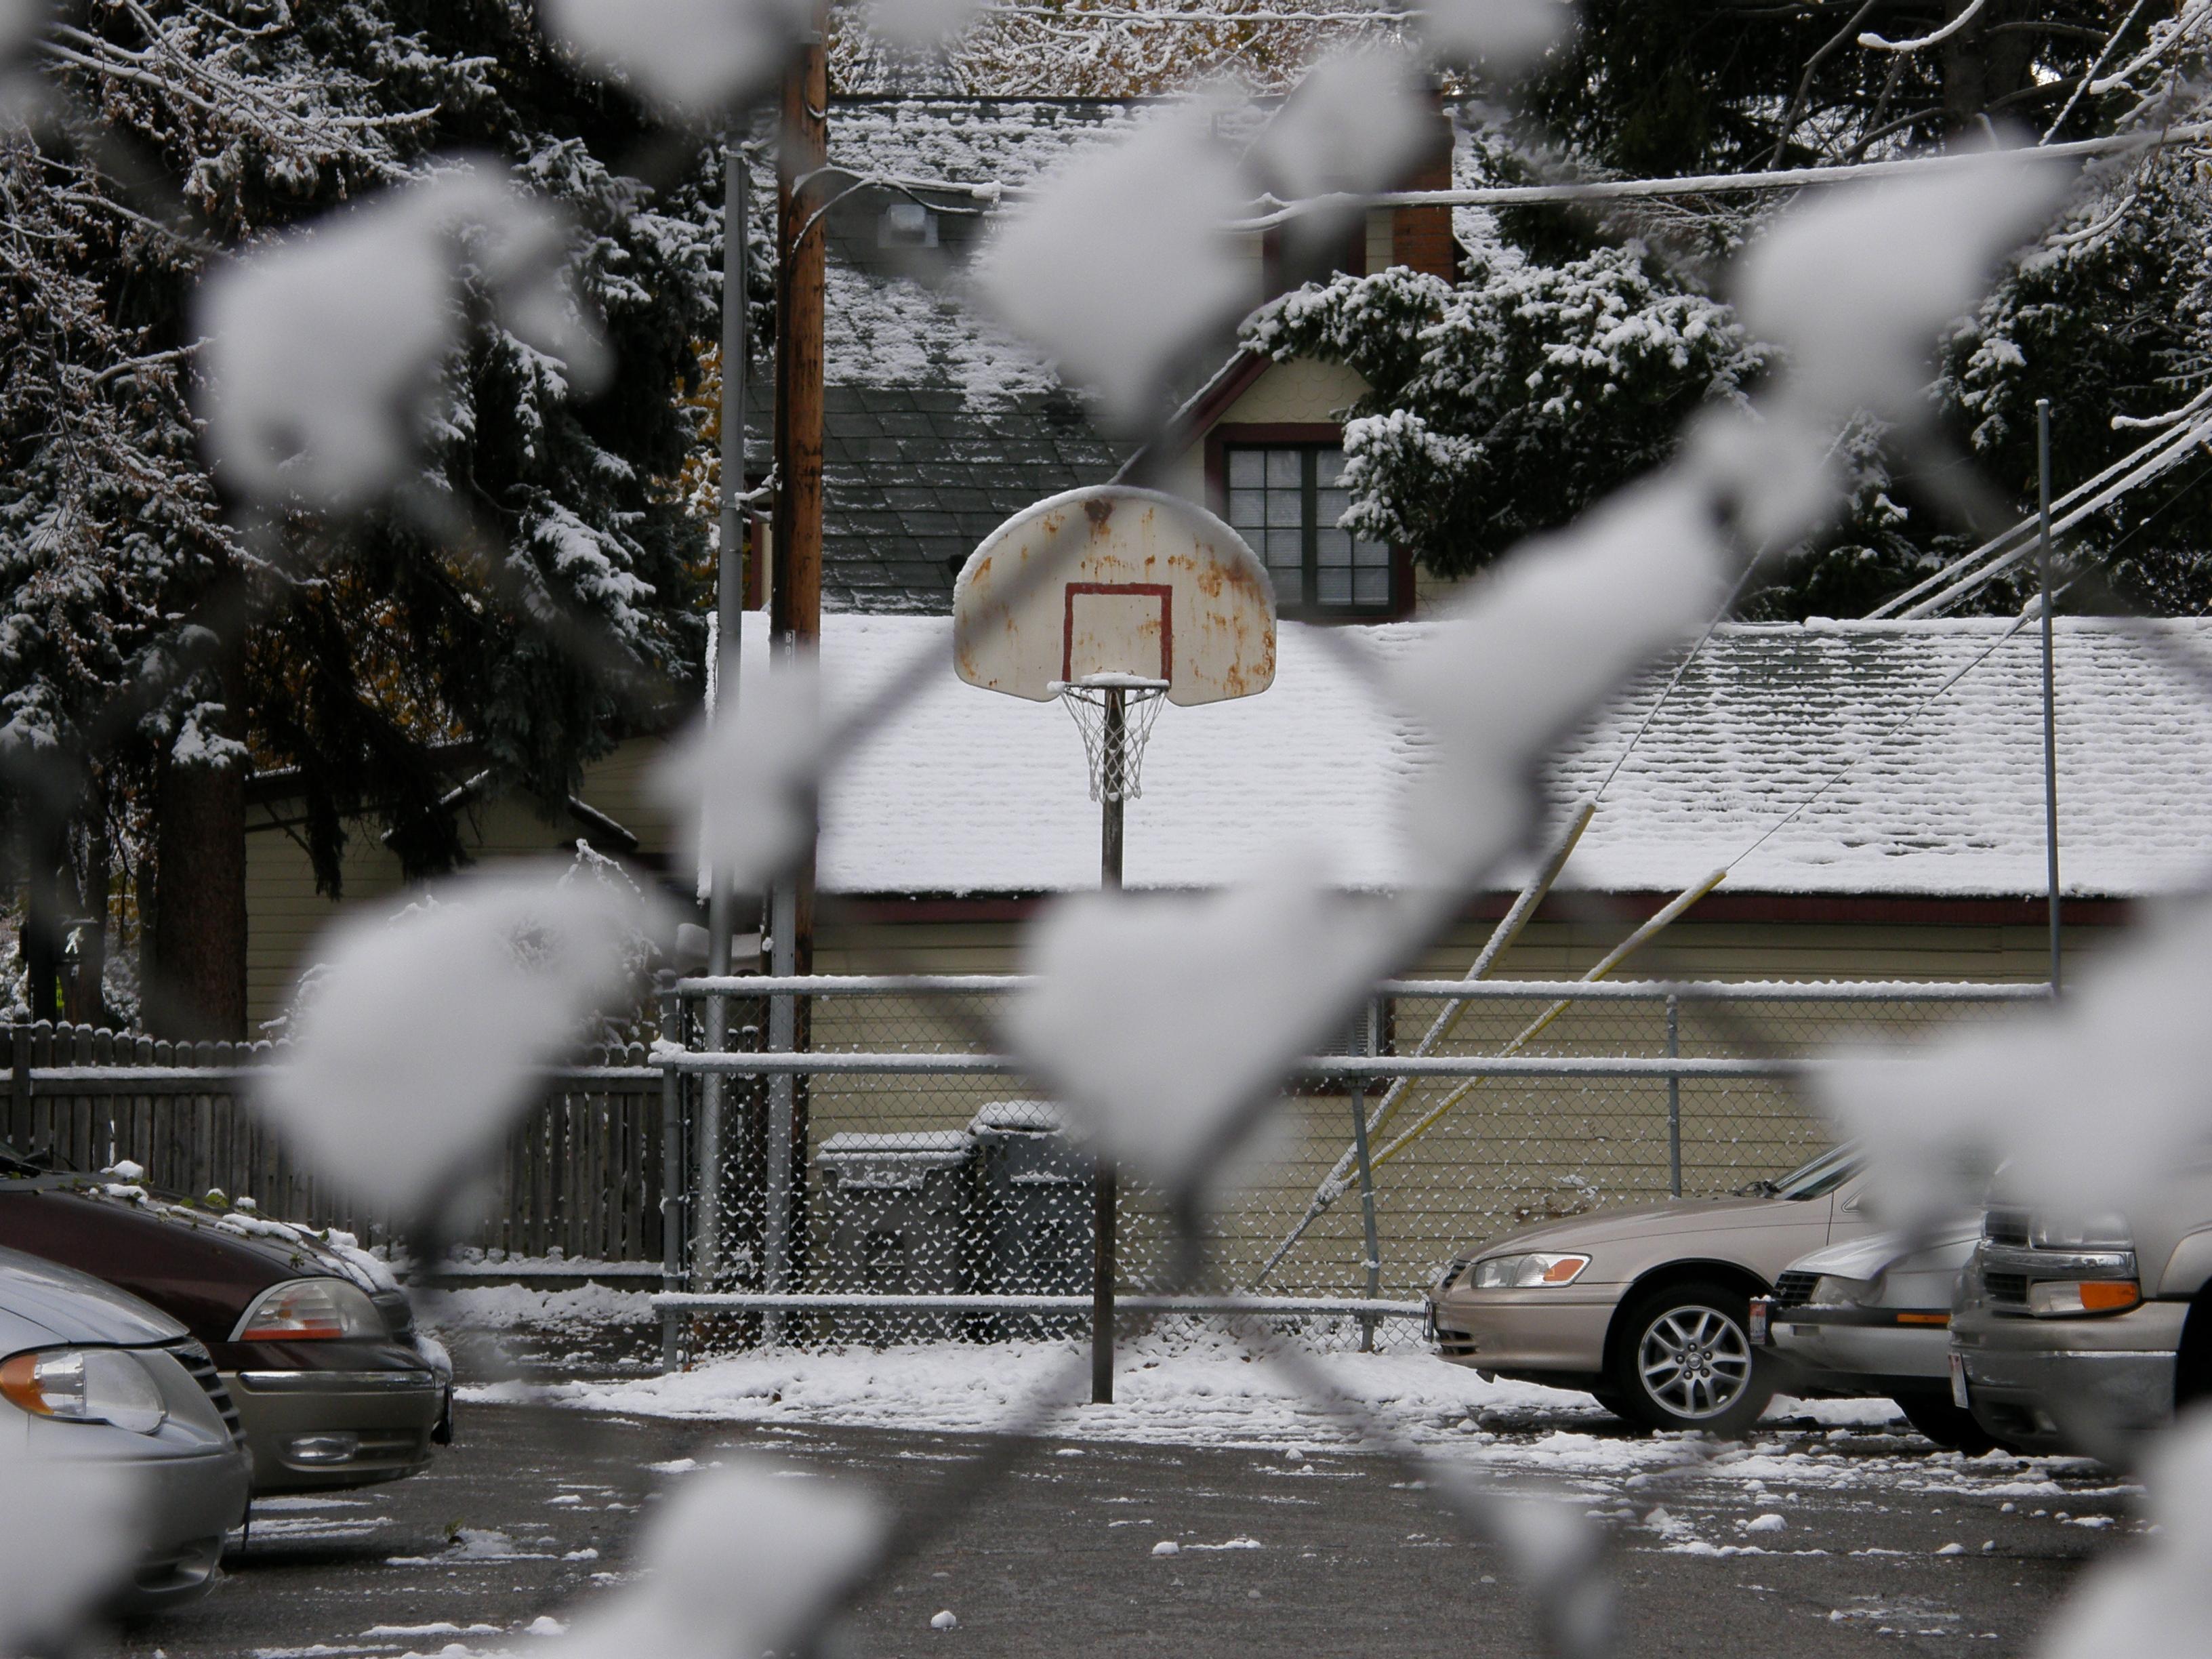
(1033, 1234)
(896, 1210)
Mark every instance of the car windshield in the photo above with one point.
(1817, 1179)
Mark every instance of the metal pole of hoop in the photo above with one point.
(1112, 738)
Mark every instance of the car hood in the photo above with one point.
(1680, 1215)
(1948, 1246)
(268, 1251)
(41, 1302)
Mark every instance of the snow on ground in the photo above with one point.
(1680, 1493)
(1208, 1390)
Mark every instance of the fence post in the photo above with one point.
(674, 1185)
(1675, 1098)
(1373, 1045)
(782, 1038)
(19, 1087)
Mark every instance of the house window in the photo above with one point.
(1286, 499)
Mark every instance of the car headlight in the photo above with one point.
(311, 1310)
(1830, 1290)
(84, 1385)
(2079, 1232)
(2063, 1298)
(1514, 1272)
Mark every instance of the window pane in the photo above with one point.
(1245, 469)
(1371, 555)
(1285, 469)
(1286, 548)
(1328, 467)
(1329, 505)
(1333, 547)
(1248, 509)
(1335, 586)
(1285, 506)
(1371, 586)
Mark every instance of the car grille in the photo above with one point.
(196, 1360)
(1794, 1290)
(2005, 1226)
(2006, 1287)
(1456, 1344)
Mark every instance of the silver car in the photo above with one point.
(1872, 1318)
(1647, 1309)
(92, 1377)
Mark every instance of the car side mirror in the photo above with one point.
(1852, 1202)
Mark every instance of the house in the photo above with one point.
(1876, 821)
(939, 427)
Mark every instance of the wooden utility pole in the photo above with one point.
(795, 603)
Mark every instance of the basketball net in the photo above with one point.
(1114, 766)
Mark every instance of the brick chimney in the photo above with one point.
(1422, 236)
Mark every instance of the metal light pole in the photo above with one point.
(729, 628)
(2050, 687)
(1103, 1183)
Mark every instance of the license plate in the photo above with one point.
(1958, 1382)
(1761, 1311)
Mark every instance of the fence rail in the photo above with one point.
(581, 1173)
(881, 1125)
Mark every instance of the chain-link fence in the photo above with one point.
(925, 1187)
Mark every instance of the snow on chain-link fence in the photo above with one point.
(924, 1187)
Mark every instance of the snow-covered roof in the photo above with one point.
(971, 793)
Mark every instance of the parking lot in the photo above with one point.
(1813, 1539)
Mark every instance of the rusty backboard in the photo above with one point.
(1113, 580)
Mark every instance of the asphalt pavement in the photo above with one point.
(529, 1515)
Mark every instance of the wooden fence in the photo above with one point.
(581, 1172)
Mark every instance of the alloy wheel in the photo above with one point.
(1694, 1362)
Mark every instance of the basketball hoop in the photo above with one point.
(1115, 712)
(1116, 601)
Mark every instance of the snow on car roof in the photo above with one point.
(967, 792)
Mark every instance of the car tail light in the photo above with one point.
(310, 1310)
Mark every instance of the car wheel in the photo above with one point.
(1952, 1429)
(1683, 1360)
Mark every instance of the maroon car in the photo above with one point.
(319, 1354)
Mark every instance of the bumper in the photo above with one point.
(192, 1503)
(311, 1431)
(2070, 1385)
(1550, 1335)
(1848, 1353)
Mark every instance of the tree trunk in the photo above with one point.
(1981, 69)
(197, 988)
(87, 1003)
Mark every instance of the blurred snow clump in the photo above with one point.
(2158, 1599)
(70, 1535)
(695, 56)
(426, 1034)
(746, 786)
(1357, 122)
(1123, 261)
(739, 1562)
(324, 347)
(2129, 1045)
(1525, 654)
(1503, 35)
(1856, 285)
(1158, 1018)
(918, 25)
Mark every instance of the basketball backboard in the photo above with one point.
(1110, 583)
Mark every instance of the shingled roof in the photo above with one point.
(1905, 788)
(939, 427)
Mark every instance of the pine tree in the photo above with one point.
(149, 652)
